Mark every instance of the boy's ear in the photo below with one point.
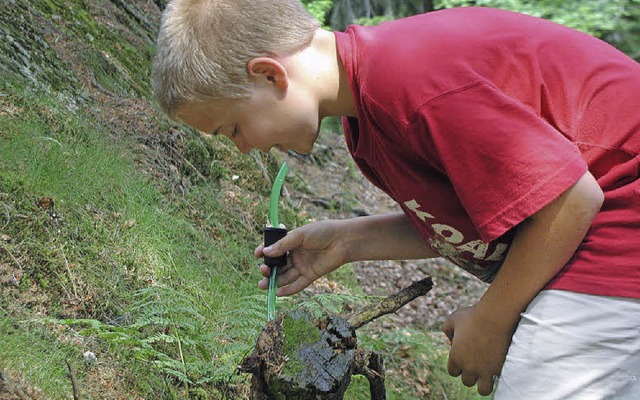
(268, 70)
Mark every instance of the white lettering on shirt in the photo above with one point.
(414, 206)
(451, 236)
(477, 247)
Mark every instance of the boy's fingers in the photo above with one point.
(469, 379)
(257, 253)
(485, 386)
(295, 287)
(265, 270)
(448, 330)
(287, 243)
(288, 277)
(452, 368)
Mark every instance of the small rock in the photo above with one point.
(89, 358)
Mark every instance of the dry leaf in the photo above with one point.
(46, 203)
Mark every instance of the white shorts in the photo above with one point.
(574, 346)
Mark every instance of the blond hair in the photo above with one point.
(204, 45)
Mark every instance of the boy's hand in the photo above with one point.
(479, 344)
(480, 335)
(320, 247)
(314, 250)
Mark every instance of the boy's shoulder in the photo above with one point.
(415, 59)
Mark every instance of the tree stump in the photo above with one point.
(297, 357)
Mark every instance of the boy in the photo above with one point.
(511, 144)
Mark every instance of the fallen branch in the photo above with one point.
(74, 381)
(391, 304)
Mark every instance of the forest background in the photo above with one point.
(126, 240)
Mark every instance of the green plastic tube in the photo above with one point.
(276, 188)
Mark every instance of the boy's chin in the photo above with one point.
(303, 151)
(298, 149)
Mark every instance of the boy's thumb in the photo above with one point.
(289, 242)
(448, 329)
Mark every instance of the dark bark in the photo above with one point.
(371, 365)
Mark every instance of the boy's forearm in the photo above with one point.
(542, 246)
(384, 237)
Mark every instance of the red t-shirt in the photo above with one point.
(473, 119)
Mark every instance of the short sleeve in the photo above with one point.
(504, 161)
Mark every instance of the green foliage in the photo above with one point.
(377, 20)
(23, 51)
(48, 152)
(626, 36)
(617, 21)
(373, 12)
(171, 334)
(118, 55)
(168, 332)
(319, 9)
(596, 17)
(321, 305)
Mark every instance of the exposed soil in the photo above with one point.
(340, 191)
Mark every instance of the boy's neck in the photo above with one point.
(319, 67)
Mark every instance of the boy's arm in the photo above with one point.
(318, 248)
(385, 237)
(481, 334)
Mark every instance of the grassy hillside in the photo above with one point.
(126, 240)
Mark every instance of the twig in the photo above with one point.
(74, 381)
(7, 214)
(52, 140)
(391, 304)
(73, 283)
(15, 260)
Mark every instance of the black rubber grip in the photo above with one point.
(272, 235)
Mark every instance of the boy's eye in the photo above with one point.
(234, 132)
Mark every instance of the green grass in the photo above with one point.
(37, 355)
(114, 248)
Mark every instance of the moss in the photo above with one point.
(24, 51)
(201, 156)
(298, 330)
(118, 55)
